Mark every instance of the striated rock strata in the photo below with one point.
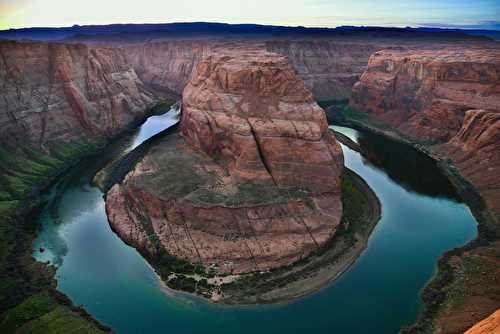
(425, 93)
(53, 91)
(431, 96)
(167, 64)
(252, 184)
(475, 150)
(329, 68)
(448, 102)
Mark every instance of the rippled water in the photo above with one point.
(421, 219)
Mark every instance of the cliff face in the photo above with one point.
(425, 94)
(475, 150)
(255, 117)
(54, 91)
(432, 96)
(328, 68)
(254, 181)
(167, 64)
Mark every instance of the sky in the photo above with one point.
(311, 13)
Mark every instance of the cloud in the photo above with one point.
(490, 25)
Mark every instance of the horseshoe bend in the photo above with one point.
(251, 183)
(180, 177)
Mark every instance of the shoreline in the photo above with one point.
(330, 263)
(305, 276)
(433, 294)
(21, 220)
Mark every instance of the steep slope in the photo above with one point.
(475, 150)
(425, 93)
(328, 68)
(56, 92)
(489, 325)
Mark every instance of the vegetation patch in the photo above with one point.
(27, 302)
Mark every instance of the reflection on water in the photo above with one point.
(416, 172)
(63, 203)
(378, 294)
(406, 166)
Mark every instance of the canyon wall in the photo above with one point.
(425, 93)
(447, 96)
(53, 92)
(475, 150)
(168, 64)
(328, 68)
(252, 184)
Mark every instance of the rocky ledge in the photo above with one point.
(252, 183)
(447, 96)
(425, 93)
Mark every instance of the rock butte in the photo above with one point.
(264, 171)
(432, 96)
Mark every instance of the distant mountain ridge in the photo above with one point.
(221, 29)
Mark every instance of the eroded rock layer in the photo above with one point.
(252, 184)
(433, 97)
(53, 91)
(475, 150)
(425, 93)
(167, 64)
(329, 68)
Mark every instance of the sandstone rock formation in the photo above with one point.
(490, 325)
(430, 95)
(328, 68)
(253, 184)
(167, 64)
(425, 93)
(53, 91)
(449, 101)
(475, 150)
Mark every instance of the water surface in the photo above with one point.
(421, 218)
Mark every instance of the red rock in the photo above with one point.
(489, 325)
(249, 111)
(475, 150)
(428, 95)
(425, 93)
(259, 179)
(329, 67)
(55, 91)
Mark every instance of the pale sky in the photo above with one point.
(312, 13)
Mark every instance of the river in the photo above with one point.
(421, 218)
